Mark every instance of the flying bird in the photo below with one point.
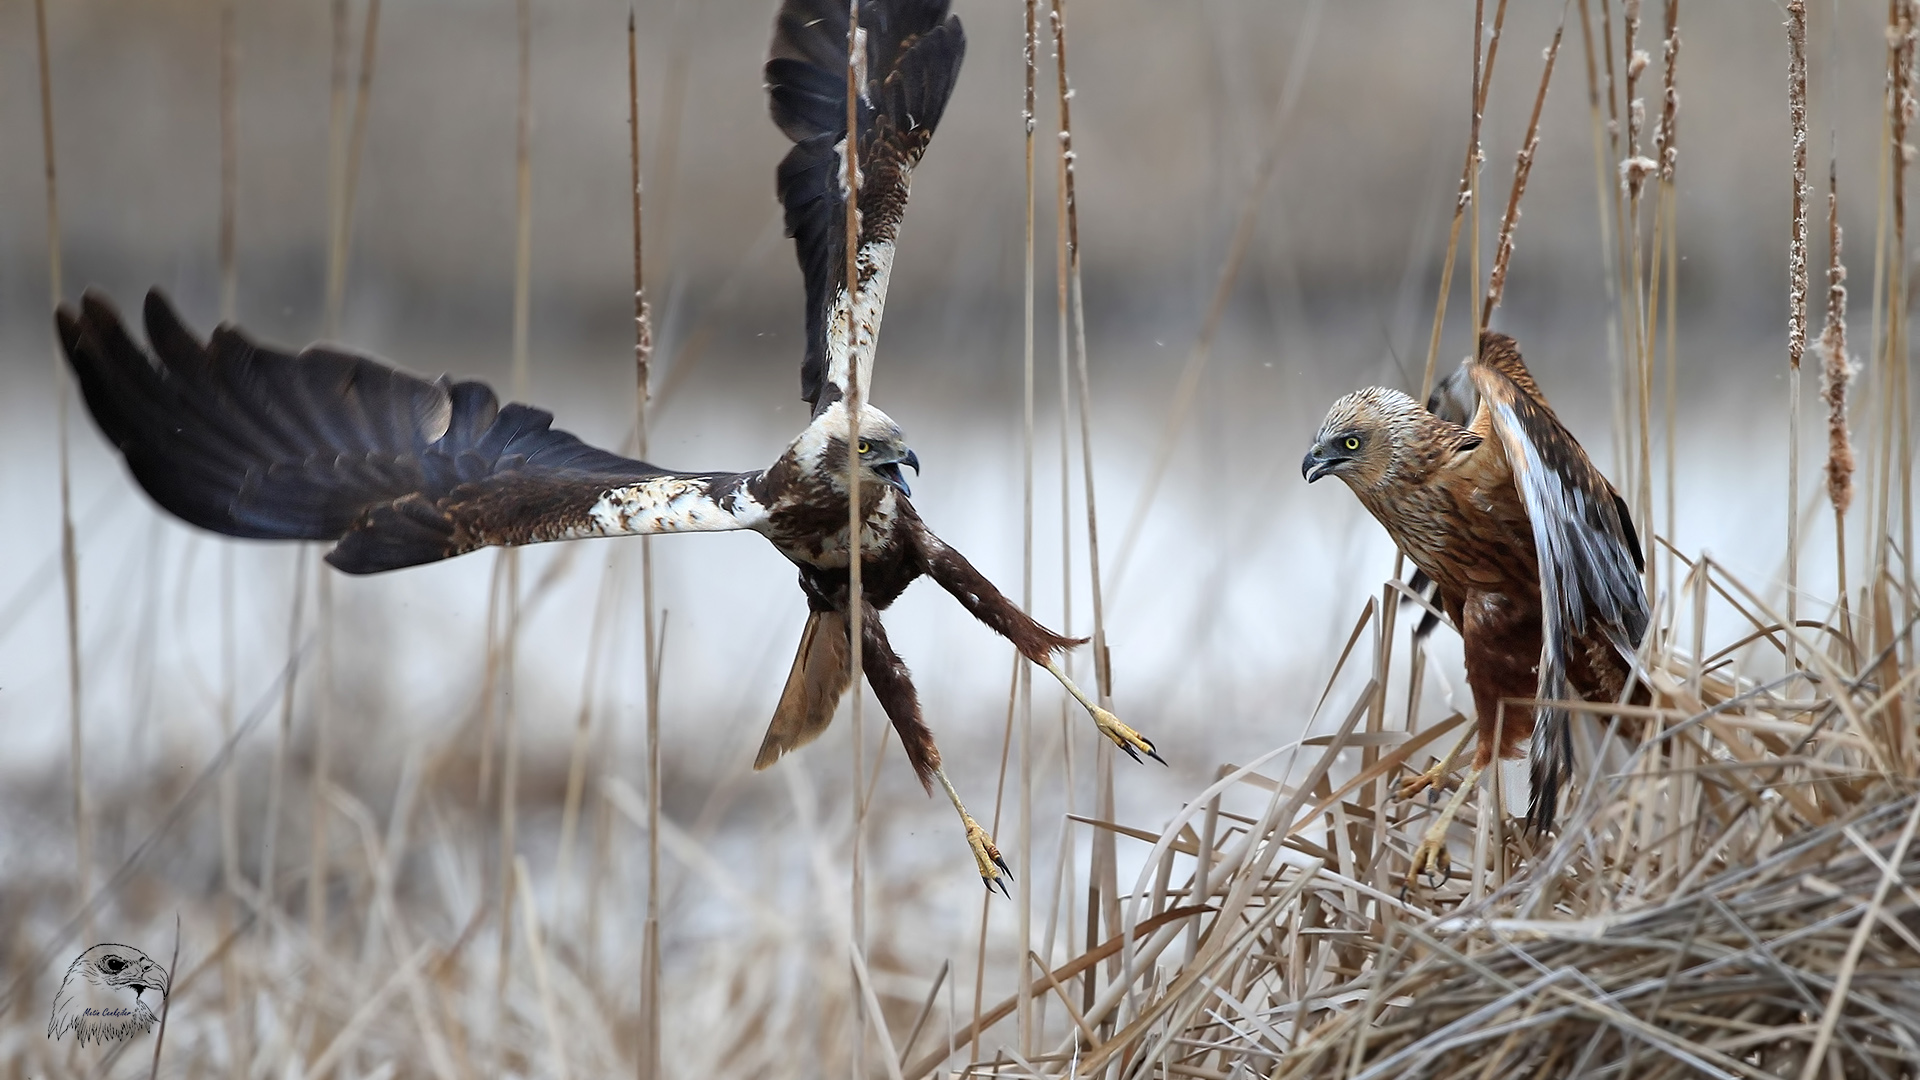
(398, 470)
(102, 995)
(1532, 550)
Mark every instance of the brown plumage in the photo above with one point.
(1533, 552)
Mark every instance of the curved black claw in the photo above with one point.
(1000, 880)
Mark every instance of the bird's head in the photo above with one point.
(881, 446)
(1360, 438)
(120, 967)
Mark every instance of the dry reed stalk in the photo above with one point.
(1102, 875)
(1484, 54)
(1667, 141)
(69, 555)
(650, 1065)
(166, 1002)
(1522, 168)
(856, 45)
(1796, 290)
(1904, 69)
(1836, 376)
(1022, 673)
(229, 673)
(510, 557)
(350, 142)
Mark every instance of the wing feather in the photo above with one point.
(1589, 554)
(248, 441)
(912, 60)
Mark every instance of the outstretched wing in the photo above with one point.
(911, 61)
(1590, 557)
(327, 445)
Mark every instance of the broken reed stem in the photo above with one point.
(650, 1063)
(69, 554)
(1796, 294)
(1837, 375)
(856, 596)
(1023, 672)
(1522, 168)
(1483, 58)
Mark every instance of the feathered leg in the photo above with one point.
(1035, 642)
(893, 684)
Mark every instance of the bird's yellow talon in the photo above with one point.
(1432, 780)
(986, 857)
(1125, 737)
(1431, 861)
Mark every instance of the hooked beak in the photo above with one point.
(890, 472)
(1317, 463)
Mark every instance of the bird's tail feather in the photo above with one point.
(819, 677)
(1552, 767)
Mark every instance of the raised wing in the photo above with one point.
(327, 445)
(1590, 557)
(912, 59)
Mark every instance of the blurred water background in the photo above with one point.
(1225, 618)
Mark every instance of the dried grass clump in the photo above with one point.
(1729, 897)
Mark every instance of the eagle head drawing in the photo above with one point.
(104, 995)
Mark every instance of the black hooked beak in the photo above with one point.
(1318, 463)
(890, 472)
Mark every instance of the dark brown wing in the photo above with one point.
(1590, 558)
(913, 54)
(327, 445)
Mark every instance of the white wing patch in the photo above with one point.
(852, 336)
(668, 504)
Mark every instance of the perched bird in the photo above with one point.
(398, 470)
(102, 995)
(1532, 550)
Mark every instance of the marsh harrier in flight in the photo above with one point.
(397, 470)
(1533, 552)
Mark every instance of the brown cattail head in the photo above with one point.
(1836, 369)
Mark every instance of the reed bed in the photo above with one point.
(1730, 893)
(1730, 897)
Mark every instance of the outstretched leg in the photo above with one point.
(986, 857)
(1037, 643)
(1123, 736)
(893, 684)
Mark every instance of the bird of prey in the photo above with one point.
(397, 470)
(101, 996)
(1532, 550)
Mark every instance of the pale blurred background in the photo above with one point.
(1224, 623)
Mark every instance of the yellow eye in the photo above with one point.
(865, 446)
(1351, 442)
